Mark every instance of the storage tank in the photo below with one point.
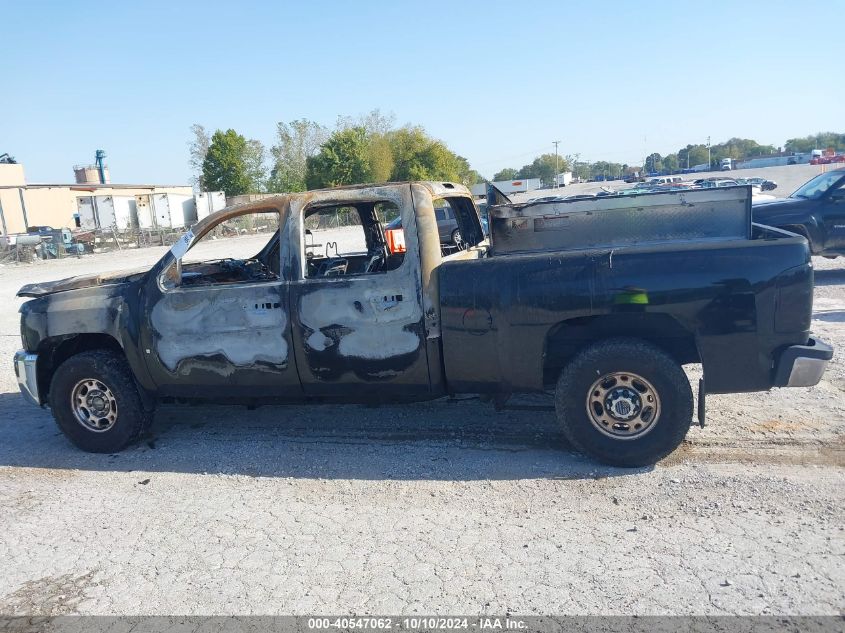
(89, 174)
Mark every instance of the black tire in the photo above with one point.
(456, 237)
(110, 369)
(666, 378)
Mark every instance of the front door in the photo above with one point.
(833, 213)
(358, 322)
(217, 323)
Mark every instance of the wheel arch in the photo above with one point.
(810, 231)
(53, 351)
(567, 338)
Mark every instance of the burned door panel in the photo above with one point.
(223, 340)
(360, 333)
(220, 328)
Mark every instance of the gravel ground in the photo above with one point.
(430, 508)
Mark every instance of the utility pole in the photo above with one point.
(709, 160)
(557, 169)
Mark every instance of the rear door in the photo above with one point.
(358, 322)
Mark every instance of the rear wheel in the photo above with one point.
(95, 402)
(624, 402)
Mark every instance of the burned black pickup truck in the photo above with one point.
(300, 298)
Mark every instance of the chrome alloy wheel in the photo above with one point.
(94, 405)
(623, 405)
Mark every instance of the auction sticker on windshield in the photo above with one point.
(182, 245)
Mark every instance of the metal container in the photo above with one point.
(173, 210)
(144, 211)
(622, 220)
(85, 211)
(207, 202)
(104, 212)
(117, 212)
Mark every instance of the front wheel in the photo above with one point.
(624, 402)
(95, 402)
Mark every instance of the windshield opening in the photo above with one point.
(818, 186)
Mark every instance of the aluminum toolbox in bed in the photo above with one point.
(621, 220)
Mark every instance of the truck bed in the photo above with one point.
(510, 321)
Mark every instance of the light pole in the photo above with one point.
(557, 169)
(709, 160)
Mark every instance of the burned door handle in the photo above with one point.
(387, 302)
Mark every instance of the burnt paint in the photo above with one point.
(359, 334)
(221, 340)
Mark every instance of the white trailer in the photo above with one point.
(119, 212)
(173, 210)
(517, 186)
(144, 211)
(86, 217)
(207, 202)
(563, 179)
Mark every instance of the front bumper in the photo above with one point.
(803, 365)
(25, 364)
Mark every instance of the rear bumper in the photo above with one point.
(25, 364)
(803, 365)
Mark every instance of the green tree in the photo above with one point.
(692, 155)
(821, 140)
(380, 156)
(417, 156)
(295, 143)
(653, 162)
(232, 164)
(739, 149)
(473, 178)
(605, 170)
(374, 122)
(254, 159)
(544, 167)
(197, 150)
(671, 163)
(343, 160)
(508, 173)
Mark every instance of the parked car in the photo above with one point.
(447, 226)
(764, 184)
(717, 182)
(607, 329)
(815, 210)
